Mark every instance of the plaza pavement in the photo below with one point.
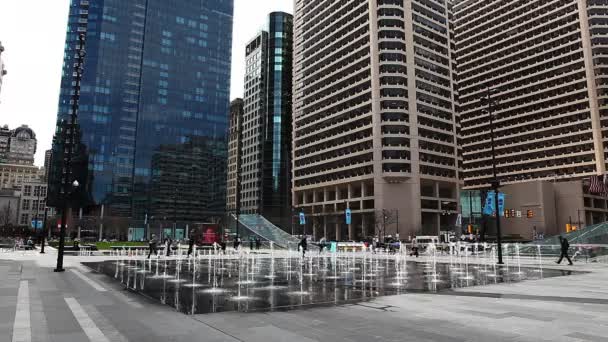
(37, 304)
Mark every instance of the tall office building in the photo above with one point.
(374, 125)
(155, 84)
(545, 64)
(265, 162)
(234, 152)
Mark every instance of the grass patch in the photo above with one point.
(107, 245)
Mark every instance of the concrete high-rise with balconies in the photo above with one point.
(546, 64)
(374, 128)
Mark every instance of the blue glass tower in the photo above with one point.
(154, 104)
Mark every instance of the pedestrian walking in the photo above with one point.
(191, 242)
(168, 243)
(152, 244)
(236, 243)
(321, 244)
(303, 244)
(564, 246)
(414, 248)
(258, 242)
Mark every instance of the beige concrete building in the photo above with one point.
(546, 207)
(13, 176)
(374, 127)
(545, 61)
(32, 203)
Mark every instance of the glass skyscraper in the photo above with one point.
(265, 159)
(154, 104)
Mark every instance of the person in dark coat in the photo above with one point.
(191, 241)
(152, 246)
(223, 246)
(258, 242)
(564, 246)
(236, 243)
(168, 243)
(303, 244)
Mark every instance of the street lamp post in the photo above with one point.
(495, 183)
(68, 147)
(46, 210)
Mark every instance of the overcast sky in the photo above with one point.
(33, 34)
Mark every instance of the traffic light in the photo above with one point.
(470, 229)
(529, 213)
(568, 227)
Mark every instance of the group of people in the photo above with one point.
(168, 242)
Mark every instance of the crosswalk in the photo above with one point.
(22, 331)
(22, 325)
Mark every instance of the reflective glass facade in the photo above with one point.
(154, 104)
(265, 168)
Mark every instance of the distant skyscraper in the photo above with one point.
(374, 124)
(47, 163)
(265, 162)
(156, 81)
(234, 150)
(545, 62)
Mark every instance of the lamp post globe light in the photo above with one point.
(68, 139)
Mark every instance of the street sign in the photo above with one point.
(501, 203)
(302, 219)
(348, 216)
(490, 205)
(36, 224)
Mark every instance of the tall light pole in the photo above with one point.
(495, 183)
(69, 136)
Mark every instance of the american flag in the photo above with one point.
(599, 186)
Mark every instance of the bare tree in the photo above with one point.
(383, 219)
(6, 214)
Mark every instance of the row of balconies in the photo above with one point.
(338, 171)
(329, 44)
(363, 143)
(521, 69)
(337, 34)
(335, 133)
(545, 146)
(570, 52)
(325, 76)
(305, 129)
(536, 130)
(316, 23)
(533, 102)
(432, 170)
(548, 119)
(480, 117)
(364, 86)
(528, 158)
(530, 21)
(574, 70)
(432, 59)
(363, 100)
(538, 167)
(534, 141)
(356, 78)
